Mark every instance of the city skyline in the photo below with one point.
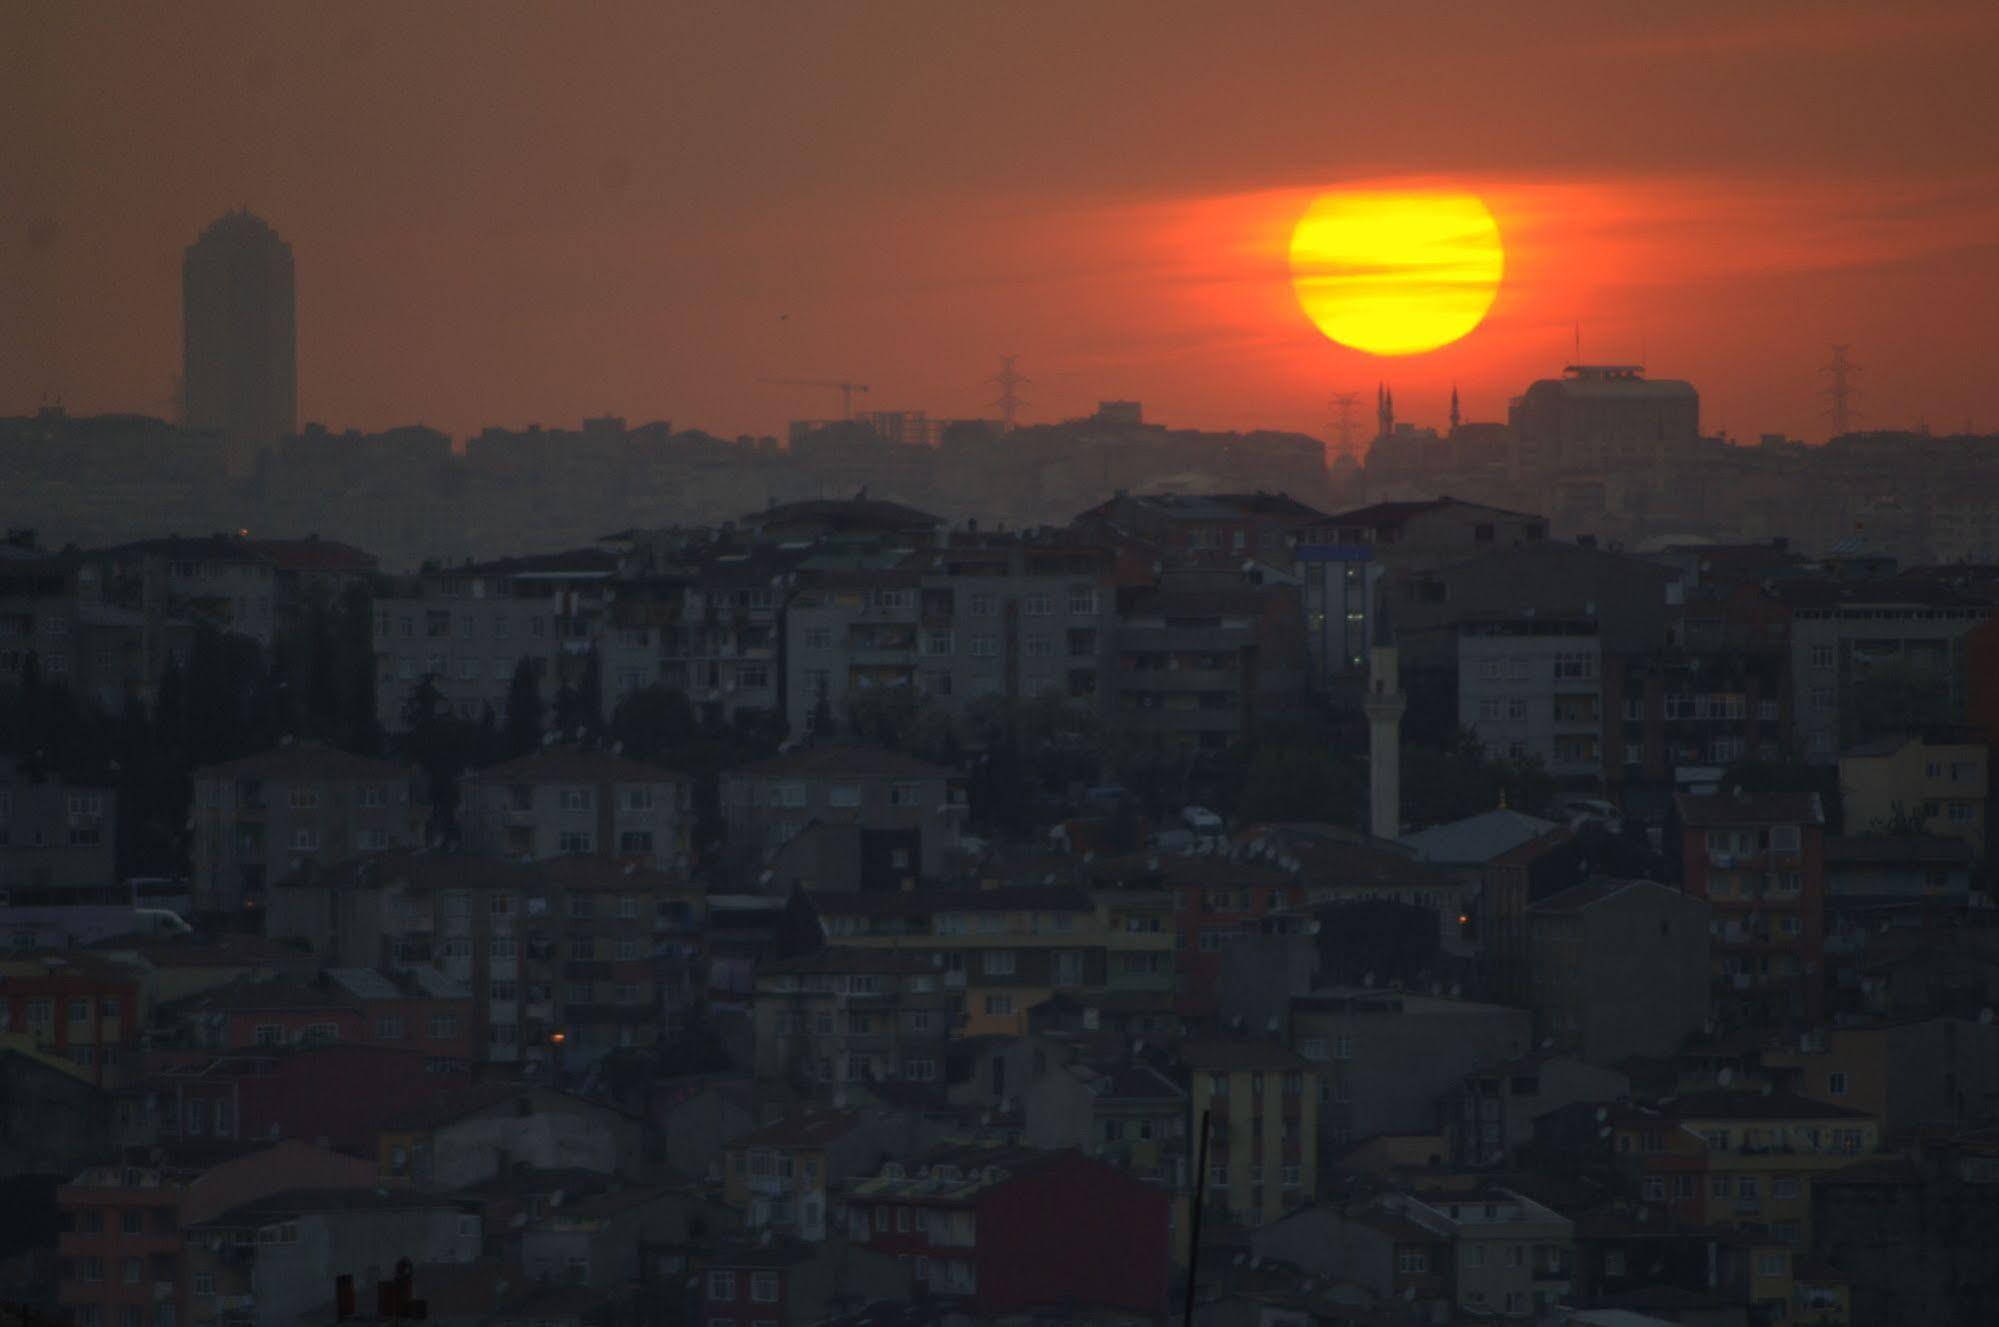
(488, 238)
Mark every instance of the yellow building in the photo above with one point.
(1899, 784)
(1262, 1102)
(1743, 1160)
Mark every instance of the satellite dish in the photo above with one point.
(1726, 1076)
(1602, 1114)
(1604, 1132)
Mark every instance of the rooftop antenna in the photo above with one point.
(1009, 380)
(1842, 371)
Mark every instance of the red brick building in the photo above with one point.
(121, 1241)
(1007, 1230)
(419, 1010)
(342, 1093)
(82, 1008)
(1760, 863)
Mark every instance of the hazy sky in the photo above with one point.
(510, 213)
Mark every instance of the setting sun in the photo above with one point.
(1396, 273)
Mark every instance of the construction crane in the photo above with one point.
(846, 389)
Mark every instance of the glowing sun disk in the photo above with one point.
(1396, 273)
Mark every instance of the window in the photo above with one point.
(843, 795)
(204, 1283)
(1772, 1262)
(936, 642)
(443, 1027)
(721, 1286)
(574, 841)
(1039, 604)
(388, 1029)
(301, 799)
(576, 799)
(1718, 1186)
(268, 1034)
(998, 962)
(984, 645)
(763, 1287)
(1655, 1189)
(305, 840)
(999, 1005)
(1784, 1186)
(1822, 658)
(1475, 1255)
(1343, 1048)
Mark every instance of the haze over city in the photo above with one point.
(506, 215)
(899, 664)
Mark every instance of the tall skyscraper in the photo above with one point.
(239, 347)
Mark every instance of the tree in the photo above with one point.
(579, 705)
(522, 731)
(440, 745)
(1293, 776)
(653, 722)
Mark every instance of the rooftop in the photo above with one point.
(1216, 1055)
(808, 1129)
(838, 760)
(1477, 839)
(568, 763)
(1702, 811)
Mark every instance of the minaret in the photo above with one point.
(1384, 706)
(1454, 407)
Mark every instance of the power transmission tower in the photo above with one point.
(1344, 402)
(1009, 380)
(1843, 371)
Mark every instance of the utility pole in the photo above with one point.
(1345, 402)
(1842, 371)
(1009, 380)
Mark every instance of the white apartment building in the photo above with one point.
(1533, 687)
(958, 622)
(471, 626)
(571, 801)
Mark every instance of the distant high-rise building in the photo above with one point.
(239, 345)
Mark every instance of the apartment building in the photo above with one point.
(965, 618)
(1899, 632)
(1387, 1058)
(1511, 1257)
(87, 1009)
(1760, 864)
(469, 627)
(1730, 1158)
(999, 952)
(123, 1245)
(900, 816)
(267, 816)
(1937, 782)
(570, 957)
(1619, 968)
(1205, 657)
(1261, 1100)
(570, 800)
(1001, 1229)
(708, 621)
(52, 609)
(779, 1176)
(1531, 688)
(849, 1019)
(223, 579)
(1259, 526)
(54, 836)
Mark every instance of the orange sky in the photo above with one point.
(507, 213)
